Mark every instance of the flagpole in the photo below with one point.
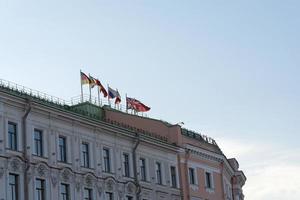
(108, 95)
(81, 87)
(90, 90)
(126, 102)
(98, 93)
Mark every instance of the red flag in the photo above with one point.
(136, 105)
(94, 82)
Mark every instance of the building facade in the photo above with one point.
(50, 150)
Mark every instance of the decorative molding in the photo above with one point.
(54, 178)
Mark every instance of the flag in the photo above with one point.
(94, 82)
(114, 94)
(84, 79)
(136, 105)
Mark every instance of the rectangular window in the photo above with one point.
(40, 189)
(208, 180)
(143, 169)
(88, 194)
(12, 136)
(109, 196)
(126, 165)
(192, 176)
(85, 155)
(106, 159)
(173, 177)
(158, 173)
(38, 142)
(62, 144)
(64, 192)
(129, 198)
(13, 187)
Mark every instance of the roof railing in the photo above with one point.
(73, 101)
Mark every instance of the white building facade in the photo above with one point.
(48, 152)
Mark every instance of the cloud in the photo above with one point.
(272, 170)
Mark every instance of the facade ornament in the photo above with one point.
(99, 187)
(41, 170)
(2, 171)
(78, 182)
(89, 180)
(66, 175)
(110, 185)
(54, 178)
(121, 191)
(15, 165)
(130, 188)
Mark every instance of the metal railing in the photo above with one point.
(74, 100)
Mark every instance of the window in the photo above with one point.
(129, 198)
(13, 187)
(40, 189)
(208, 180)
(62, 156)
(88, 194)
(143, 169)
(106, 159)
(64, 192)
(12, 136)
(192, 176)
(126, 165)
(38, 142)
(158, 173)
(109, 196)
(173, 177)
(85, 155)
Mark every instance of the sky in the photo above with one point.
(227, 69)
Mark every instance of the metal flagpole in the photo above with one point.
(81, 87)
(126, 102)
(90, 89)
(108, 95)
(98, 94)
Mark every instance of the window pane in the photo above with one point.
(64, 192)
(85, 155)
(62, 149)
(12, 136)
(143, 169)
(40, 189)
(13, 187)
(126, 165)
(106, 158)
(158, 173)
(173, 177)
(87, 194)
(38, 142)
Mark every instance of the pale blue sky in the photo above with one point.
(229, 69)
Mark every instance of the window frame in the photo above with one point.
(90, 193)
(107, 168)
(173, 181)
(42, 189)
(38, 143)
(126, 164)
(62, 155)
(192, 176)
(85, 155)
(12, 136)
(67, 187)
(158, 173)
(14, 187)
(143, 165)
(109, 195)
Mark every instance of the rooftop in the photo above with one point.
(92, 109)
